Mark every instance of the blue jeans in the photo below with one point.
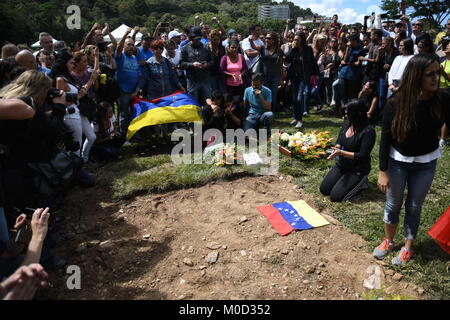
(107, 150)
(338, 92)
(272, 83)
(300, 91)
(124, 113)
(418, 177)
(199, 90)
(254, 119)
(382, 92)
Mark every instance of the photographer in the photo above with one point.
(29, 140)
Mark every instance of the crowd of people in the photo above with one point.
(59, 106)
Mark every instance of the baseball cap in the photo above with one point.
(231, 31)
(400, 24)
(173, 33)
(196, 32)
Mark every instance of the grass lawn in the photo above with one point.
(146, 169)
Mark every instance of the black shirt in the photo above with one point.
(270, 63)
(191, 54)
(423, 137)
(361, 144)
(215, 67)
(303, 65)
(222, 121)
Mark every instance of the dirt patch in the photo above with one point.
(157, 247)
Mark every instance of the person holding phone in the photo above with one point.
(197, 60)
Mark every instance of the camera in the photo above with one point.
(70, 97)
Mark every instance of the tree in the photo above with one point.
(433, 11)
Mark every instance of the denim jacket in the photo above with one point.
(158, 78)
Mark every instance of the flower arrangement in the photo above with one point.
(225, 154)
(305, 146)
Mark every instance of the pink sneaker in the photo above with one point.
(383, 249)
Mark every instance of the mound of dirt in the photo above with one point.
(209, 243)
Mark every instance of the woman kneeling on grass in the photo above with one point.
(352, 152)
(409, 148)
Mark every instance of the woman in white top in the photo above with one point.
(79, 124)
(406, 49)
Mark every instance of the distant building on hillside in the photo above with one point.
(280, 12)
(316, 19)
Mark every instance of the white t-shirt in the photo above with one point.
(175, 60)
(397, 68)
(247, 46)
(425, 158)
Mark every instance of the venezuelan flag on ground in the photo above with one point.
(177, 107)
(292, 215)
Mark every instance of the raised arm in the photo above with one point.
(135, 32)
(286, 29)
(88, 39)
(220, 27)
(39, 227)
(156, 32)
(121, 44)
(106, 31)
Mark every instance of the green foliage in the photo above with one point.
(21, 21)
(382, 295)
(433, 11)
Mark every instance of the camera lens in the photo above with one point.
(70, 110)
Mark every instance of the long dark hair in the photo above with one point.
(357, 115)
(408, 94)
(102, 109)
(59, 68)
(302, 36)
(408, 46)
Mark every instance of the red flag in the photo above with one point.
(441, 231)
(276, 219)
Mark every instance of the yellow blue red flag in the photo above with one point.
(292, 215)
(177, 107)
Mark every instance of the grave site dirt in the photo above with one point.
(155, 247)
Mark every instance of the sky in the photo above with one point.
(349, 11)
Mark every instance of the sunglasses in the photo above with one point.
(159, 48)
(417, 24)
(267, 38)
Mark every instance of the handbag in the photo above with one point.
(56, 174)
